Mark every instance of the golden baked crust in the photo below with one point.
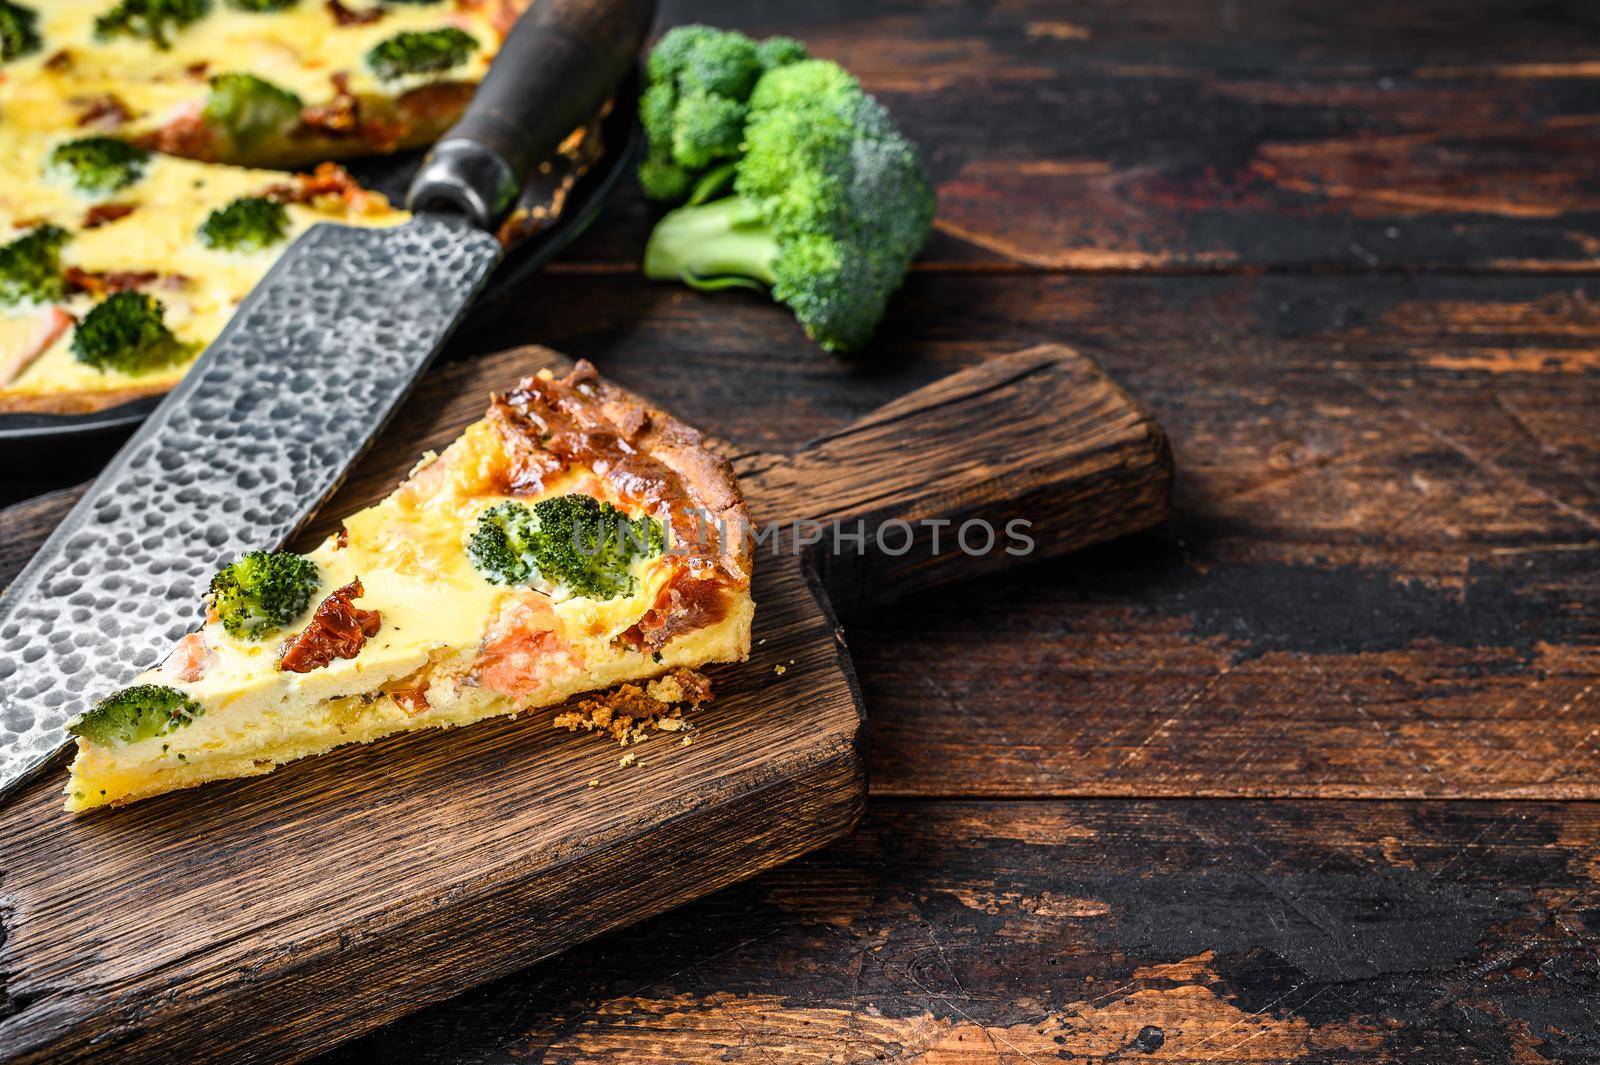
(705, 476)
(82, 402)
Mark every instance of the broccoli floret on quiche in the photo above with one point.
(153, 20)
(250, 109)
(134, 714)
(421, 52)
(99, 165)
(262, 5)
(30, 267)
(261, 592)
(249, 223)
(19, 31)
(575, 542)
(127, 332)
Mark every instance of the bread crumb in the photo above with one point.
(666, 689)
(629, 759)
(628, 712)
(594, 783)
(780, 669)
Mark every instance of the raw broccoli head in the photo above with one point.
(30, 267)
(262, 5)
(830, 204)
(664, 180)
(99, 165)
(261, 592)
(127, 332)
(135, 714)
(777, 52)
(250, 109)
(249, 223)
(693, 107)
(154, 20)
(574, 542)
(19, 30)
(421, 52)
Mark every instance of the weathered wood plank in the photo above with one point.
(406, 871)
(1386, 539)
(947, 933)
(1148, 136)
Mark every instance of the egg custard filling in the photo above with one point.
(137, 147)
(569, 541)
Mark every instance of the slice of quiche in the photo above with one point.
(570, 540)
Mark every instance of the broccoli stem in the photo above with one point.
(723, 244)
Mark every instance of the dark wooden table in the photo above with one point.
(1307, 775)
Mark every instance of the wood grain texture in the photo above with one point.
(1384, 531)
(1324, 244)
(283, 914)
(1147, 136)
(954, 933)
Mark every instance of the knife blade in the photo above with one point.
(262, 429)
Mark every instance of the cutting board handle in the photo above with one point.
(1026, 456)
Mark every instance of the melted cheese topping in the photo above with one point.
(443, 629)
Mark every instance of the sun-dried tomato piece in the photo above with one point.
(338, 629)
(102, 213)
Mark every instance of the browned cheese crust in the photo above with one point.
(646, 456)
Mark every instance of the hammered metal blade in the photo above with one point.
(243, 451)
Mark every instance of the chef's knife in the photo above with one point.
(262, 429)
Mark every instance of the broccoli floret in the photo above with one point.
(249, 223)
(499, 546)
(664, 180)
(829, 204)
(151, 19)
(261, 592)
(19, 30)
(693, 107)
(135, 714)
(99, 165)
(127, 332)
(262, 5)
(777, 52)
(574, 542)
(250, 109)
(30, 267)
(421, 52)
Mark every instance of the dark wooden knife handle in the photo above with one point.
(1023, 457)
(558, 65)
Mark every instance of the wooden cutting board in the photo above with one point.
(272, 918)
